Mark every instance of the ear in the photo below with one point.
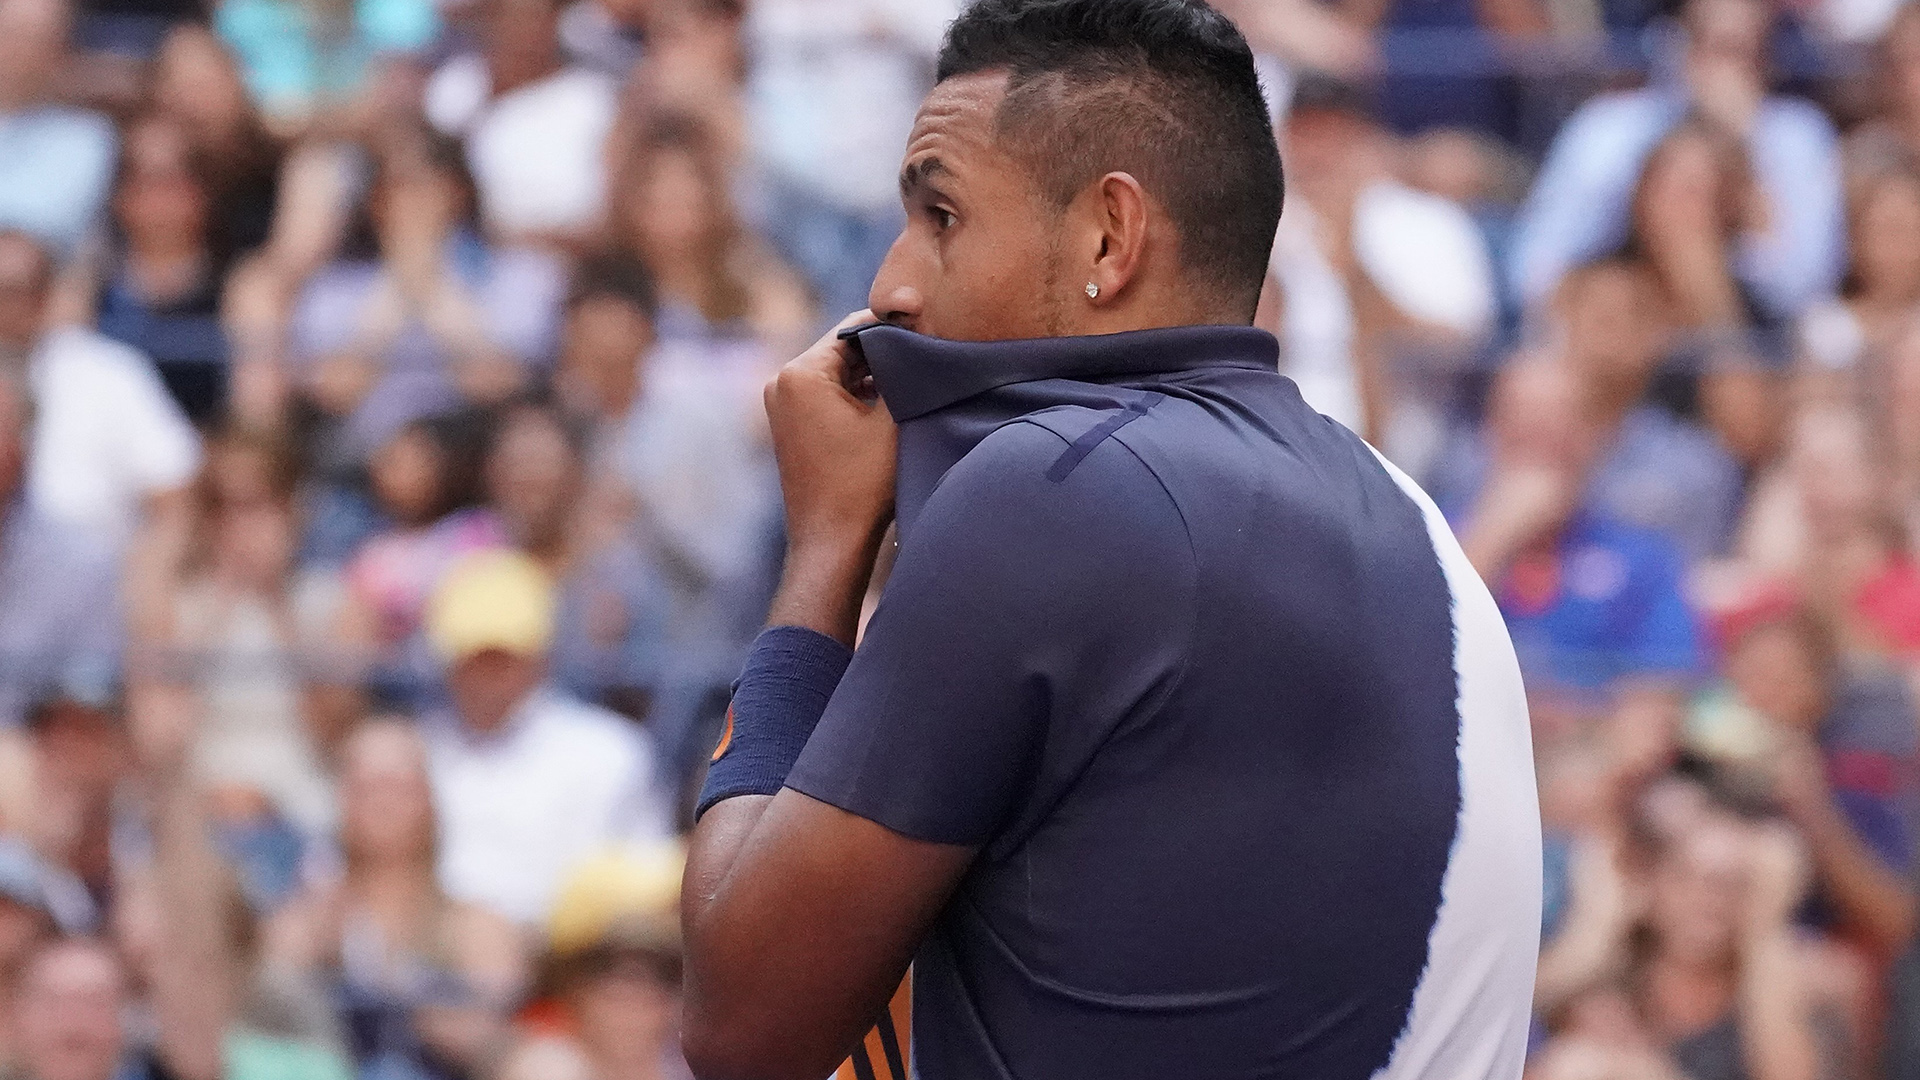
(1120, 210)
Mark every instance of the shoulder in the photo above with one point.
(1064, 490)
(1068, 457)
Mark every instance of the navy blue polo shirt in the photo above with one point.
(1238, 734)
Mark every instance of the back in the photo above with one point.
(1237, 730)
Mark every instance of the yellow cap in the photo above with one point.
(491, 600)
(629, 896)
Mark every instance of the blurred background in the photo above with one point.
(387, 504)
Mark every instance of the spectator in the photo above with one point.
(831, 95)
(241, 622)
(425, 980)
(675, 212)
(55, 162)
(439, 318)
(1839, 755)
(1657, 471)
(220, 1015)
(70, 1015)
(610, 640)
(1369, 271)
(1824, 521)
(427, 528)
(536, 128)
(58, 582)
(1694, 197)
(1790, 256)
(1854, 335)
(613, 973)
(305, 66)
(1589, 601)
(110, 447)
(197, 83)
(159, 290)
(529, 780)
(80, 766)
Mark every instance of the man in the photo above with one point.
(1184, 741)
(528, 781)
(1591, 600)
(1580, 205)
(1655, 470)
(111, 449)
(56, 162)
(70, 1013)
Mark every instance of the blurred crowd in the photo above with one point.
(385, 504)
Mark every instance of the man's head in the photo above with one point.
(68, 1012)
(1085, 166)
(491, 619)
(26, 274)
(609, 327)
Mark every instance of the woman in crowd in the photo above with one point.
(1695, 203)
(431, 317)
(196, 82)
(425, 982)
(426, 522)
(160, 287)
(673, 209)
(611, 642)
(242, 621)
(1845, 344)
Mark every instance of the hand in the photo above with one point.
(1778, 874)
(835, 450)
(836, 455)
(1797, 775)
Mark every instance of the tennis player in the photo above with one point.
(1184, 744)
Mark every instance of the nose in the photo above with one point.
(894, 298)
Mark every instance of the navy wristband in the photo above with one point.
(782, 693)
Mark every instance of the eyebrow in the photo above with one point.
(917, 174)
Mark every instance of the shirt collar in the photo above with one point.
(916, 374)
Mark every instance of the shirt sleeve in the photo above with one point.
(159, 448)
(1036, 606)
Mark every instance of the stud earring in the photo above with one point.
(1093, 291)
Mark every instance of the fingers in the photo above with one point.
(831, 357)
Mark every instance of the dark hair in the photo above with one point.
(616, 275)
(1162, 89)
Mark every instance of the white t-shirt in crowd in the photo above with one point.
(560, 782)
(834, 88)
(106, 433)
(1421, 251)
(538, 153)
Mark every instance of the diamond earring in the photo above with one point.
(1093, 291)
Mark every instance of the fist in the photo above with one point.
(835, 446)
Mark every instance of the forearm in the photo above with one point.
(1870, 897)
(1776, 1025)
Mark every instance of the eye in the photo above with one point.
(943, 218)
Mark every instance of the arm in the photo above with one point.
(1777, 1033)
(196, 974)
(1592, 942)
(800, 919)
(1871, 898)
